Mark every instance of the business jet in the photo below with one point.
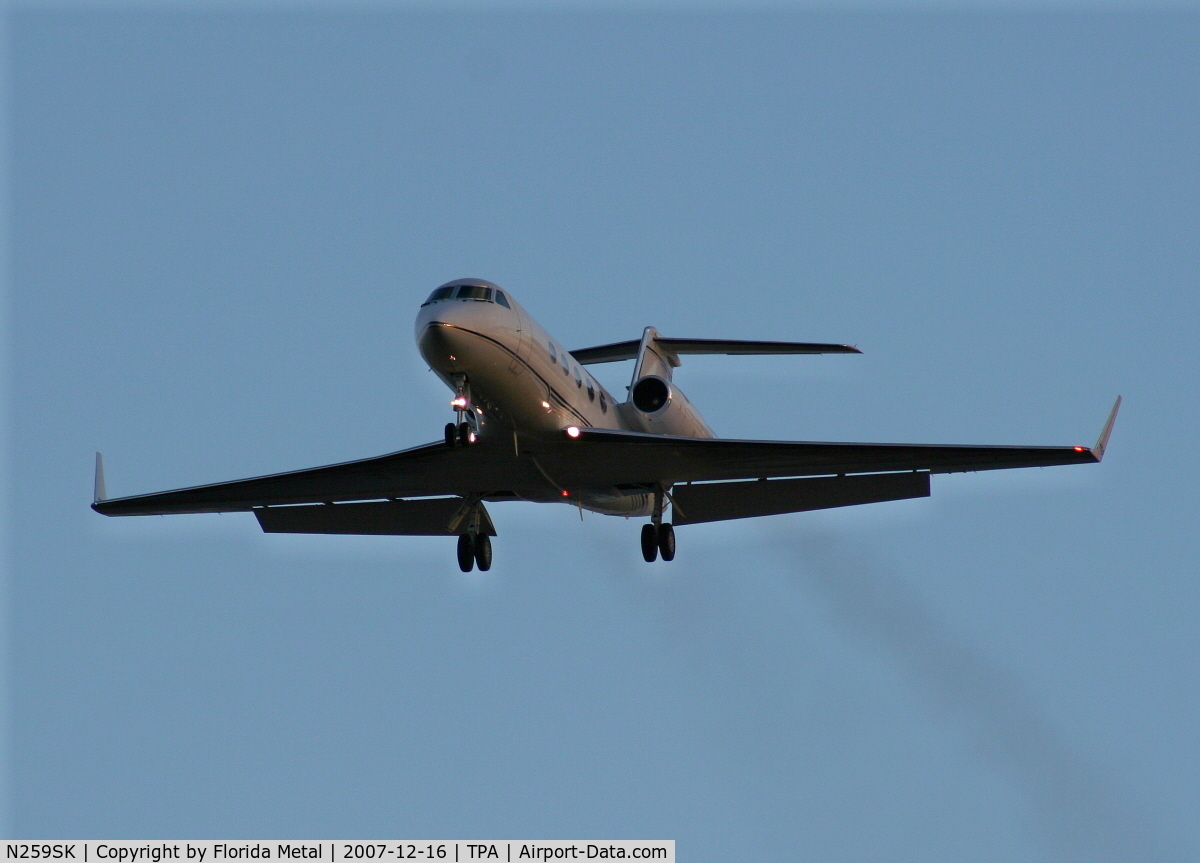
(532, 424)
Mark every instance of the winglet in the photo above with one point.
(98, 493)
(1102, 442)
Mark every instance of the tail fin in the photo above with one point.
(652, 359)
(98, 493)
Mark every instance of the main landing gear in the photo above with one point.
(656, 540)
(657, 537)
(474, 550)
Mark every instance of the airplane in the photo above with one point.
(532, 424)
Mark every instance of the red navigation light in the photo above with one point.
(566, 493)
(1079, 449)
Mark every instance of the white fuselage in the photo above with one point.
(522, 388)
(522, 379)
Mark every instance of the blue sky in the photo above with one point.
(221, 225)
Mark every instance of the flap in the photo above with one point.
(429, 517)
(719, 501)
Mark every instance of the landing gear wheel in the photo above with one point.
(666, 541)
(465, 434)
(649, 543)
(483, 552)
(466, 553)
(451, 435)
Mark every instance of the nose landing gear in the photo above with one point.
(462, 431)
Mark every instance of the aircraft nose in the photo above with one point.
(440, 343)
(431, 340)
(431, 320)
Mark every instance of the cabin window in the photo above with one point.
(603, 402)
(502, 300)
(439, 294)
(565, 362)
(553, 356)
(591, 391)
(474, 292)
(578, 378)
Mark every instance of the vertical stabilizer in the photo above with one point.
(98, 493)
(652, 358)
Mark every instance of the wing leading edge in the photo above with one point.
(623, 456)
(428, 470)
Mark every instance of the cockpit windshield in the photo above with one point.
(439, 294)
(468, 292)
(473, 292)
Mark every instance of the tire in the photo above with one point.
(466, 553)
(666, 541)
(483, 552)
(649, 543)
(451, 435)
(464, 433)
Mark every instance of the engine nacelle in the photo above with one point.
(657, 405)
(651, 394)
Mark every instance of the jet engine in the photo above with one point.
(651, 394)
(657, 405)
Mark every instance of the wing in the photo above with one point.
(590, 459)
(482, 472)
(620, 458)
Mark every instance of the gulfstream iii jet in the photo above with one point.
(532, 424)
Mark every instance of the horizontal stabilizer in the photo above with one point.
(618, 351)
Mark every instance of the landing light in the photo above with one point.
(572, 431)
(459, 403)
